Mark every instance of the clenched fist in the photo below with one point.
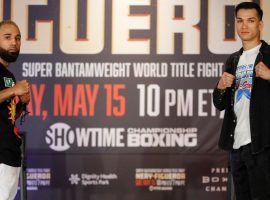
(262, 71)
(225, 81)
(25, 98)
(21, 88)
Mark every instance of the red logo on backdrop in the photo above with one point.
(146, 182)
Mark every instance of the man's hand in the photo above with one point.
(25, 98)
(21, 88)
(262, 71)
(225, 81)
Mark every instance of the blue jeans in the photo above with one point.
(251, 173)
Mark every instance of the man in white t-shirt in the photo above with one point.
(244, 92)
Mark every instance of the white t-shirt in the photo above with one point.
(244, 76)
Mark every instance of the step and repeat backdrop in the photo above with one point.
(121, 96)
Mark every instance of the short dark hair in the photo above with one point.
(249, 5)
(8, 22)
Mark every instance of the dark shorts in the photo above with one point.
(251, 173)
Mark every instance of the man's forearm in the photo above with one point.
(219, 99)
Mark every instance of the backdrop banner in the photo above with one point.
(121, 96)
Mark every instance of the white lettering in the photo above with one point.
(42, 43)
(185, 25)
(123, 21)
(94, 41)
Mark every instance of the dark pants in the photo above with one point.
(251, 173)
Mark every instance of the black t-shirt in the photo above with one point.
(10, 153)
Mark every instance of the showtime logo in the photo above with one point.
(60, 136)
